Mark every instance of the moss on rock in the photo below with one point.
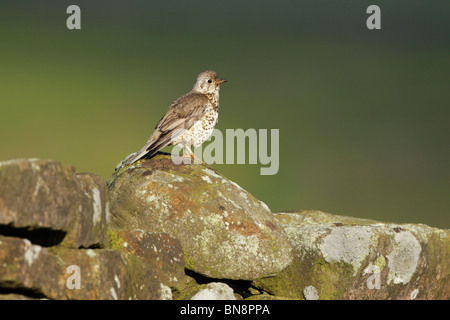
(351, 258)
(225, 231)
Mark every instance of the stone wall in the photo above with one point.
(156, 230)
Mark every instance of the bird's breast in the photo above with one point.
(203, 128)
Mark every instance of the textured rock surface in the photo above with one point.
(225, 232)
(161, 254)
(135, 273)
(48, 196)
(54, 223)
(44, 273)
(215, 291)
(171, 232)
(337, 257)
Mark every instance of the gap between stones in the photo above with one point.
(11, 287)
(45, 237)
(244, 288)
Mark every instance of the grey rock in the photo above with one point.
(54, 273)
(350, 258)
(215, 291)
(225, 232)
(46, 195)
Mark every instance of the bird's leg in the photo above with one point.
(186, 154)
(191, 155)
(197, 160)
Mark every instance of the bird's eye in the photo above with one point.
(209, 80)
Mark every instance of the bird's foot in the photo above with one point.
(196, 160)
(192, 159)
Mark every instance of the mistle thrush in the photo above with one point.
(190, 120)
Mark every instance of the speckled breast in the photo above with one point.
(201, 130)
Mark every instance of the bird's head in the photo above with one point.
(208, 82)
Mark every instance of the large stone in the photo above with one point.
(225, 232)
(44, 195)
(338, 257)
(215, 291)
(161, 254)
(134, 273)
(53, 218)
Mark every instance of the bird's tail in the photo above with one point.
(153, 145)
(141, 153)
(135, 157)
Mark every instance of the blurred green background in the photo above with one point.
(364, 115)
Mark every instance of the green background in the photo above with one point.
(363, 114)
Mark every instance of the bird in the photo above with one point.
(189, 121)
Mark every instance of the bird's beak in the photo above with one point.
(219, 81)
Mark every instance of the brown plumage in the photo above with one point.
(189, 120)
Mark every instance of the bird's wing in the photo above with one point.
(181, 116)
(183, 113)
